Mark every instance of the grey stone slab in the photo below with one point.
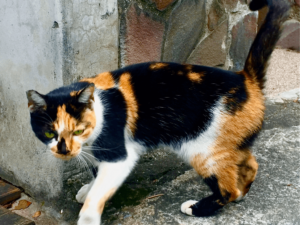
(181, 39)
(211, 51)
(243, 34)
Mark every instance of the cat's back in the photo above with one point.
(167, 101)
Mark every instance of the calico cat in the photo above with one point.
(208, 116)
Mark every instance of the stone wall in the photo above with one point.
(208, 32)
(290, 38)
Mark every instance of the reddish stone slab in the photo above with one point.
(9, 218)
(186, 26)
(297, 2)
(162, 4)
(290, 37)
(8, 193)
(144, 37)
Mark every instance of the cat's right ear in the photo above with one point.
(35, 101)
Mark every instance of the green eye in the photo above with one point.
(77, 132)
(49, 134)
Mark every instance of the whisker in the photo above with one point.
(48, 116)
(45, 118)
(86, 165)
(44, 121)
(96, 148)
(93, 165)
(90, 155)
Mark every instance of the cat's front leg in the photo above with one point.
(83, 192)
(109, 179)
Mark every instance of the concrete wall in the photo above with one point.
(30, 58)
(91, 30)
(43, 45)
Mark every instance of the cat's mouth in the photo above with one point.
(67, 156)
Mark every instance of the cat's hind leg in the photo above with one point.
(247, 173)
(221, 174)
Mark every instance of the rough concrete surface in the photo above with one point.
(274, 197)
(283, 73)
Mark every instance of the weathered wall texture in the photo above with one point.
(30, 58)
(44, 45)
(91, 30)
(203, 32)
(207, 32)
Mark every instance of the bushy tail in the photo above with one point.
(265, 41)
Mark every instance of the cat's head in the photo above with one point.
(64, 119)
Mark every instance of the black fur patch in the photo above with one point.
(110, 144)
(209, 205)
(171, 107)
(41, 119)
(257, 4)
(248, 141)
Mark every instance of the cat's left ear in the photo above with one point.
(86, 94)
(35, 101)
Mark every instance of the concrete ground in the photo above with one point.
(274, 197)
(283, 73)
(159, 184)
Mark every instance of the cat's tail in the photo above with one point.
(265, 41)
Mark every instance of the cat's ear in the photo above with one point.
(35, 101)
(86, 94)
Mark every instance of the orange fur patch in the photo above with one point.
(247, 173)
(195, 77)
(102, 81)
(85, 205)
(156, 66)
(87, 123)
(132, 107)
(244, 122)
(104, 199)
(73, 93)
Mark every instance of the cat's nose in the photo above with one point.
(62, 147)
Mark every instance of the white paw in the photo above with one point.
(82, 193)
(89, 218)
(185, 207)
(240, 198)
